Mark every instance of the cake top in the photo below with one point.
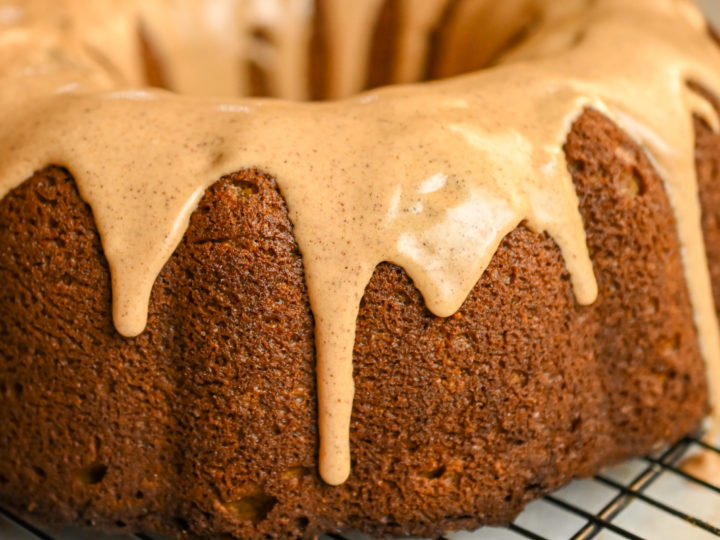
(430, 177)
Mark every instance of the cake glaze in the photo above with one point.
(431, 177)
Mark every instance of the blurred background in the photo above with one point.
(712, 8)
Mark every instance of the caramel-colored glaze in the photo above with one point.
(430, 177)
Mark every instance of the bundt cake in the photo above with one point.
(401, 311)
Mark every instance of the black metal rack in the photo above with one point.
(566, 514)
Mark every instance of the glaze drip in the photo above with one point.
(430, 177)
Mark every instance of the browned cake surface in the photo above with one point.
(707, 163)
(206, 424)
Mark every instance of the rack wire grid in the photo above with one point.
(655, 497)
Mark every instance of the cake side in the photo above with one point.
(205, 423)
(707, 164)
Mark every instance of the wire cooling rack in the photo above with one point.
(649, 498)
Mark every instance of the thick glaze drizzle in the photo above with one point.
(430, 177)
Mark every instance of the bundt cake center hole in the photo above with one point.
(303, 59)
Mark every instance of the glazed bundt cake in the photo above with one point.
(401, 311)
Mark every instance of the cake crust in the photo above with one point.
(707, 164)
(205, 424)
